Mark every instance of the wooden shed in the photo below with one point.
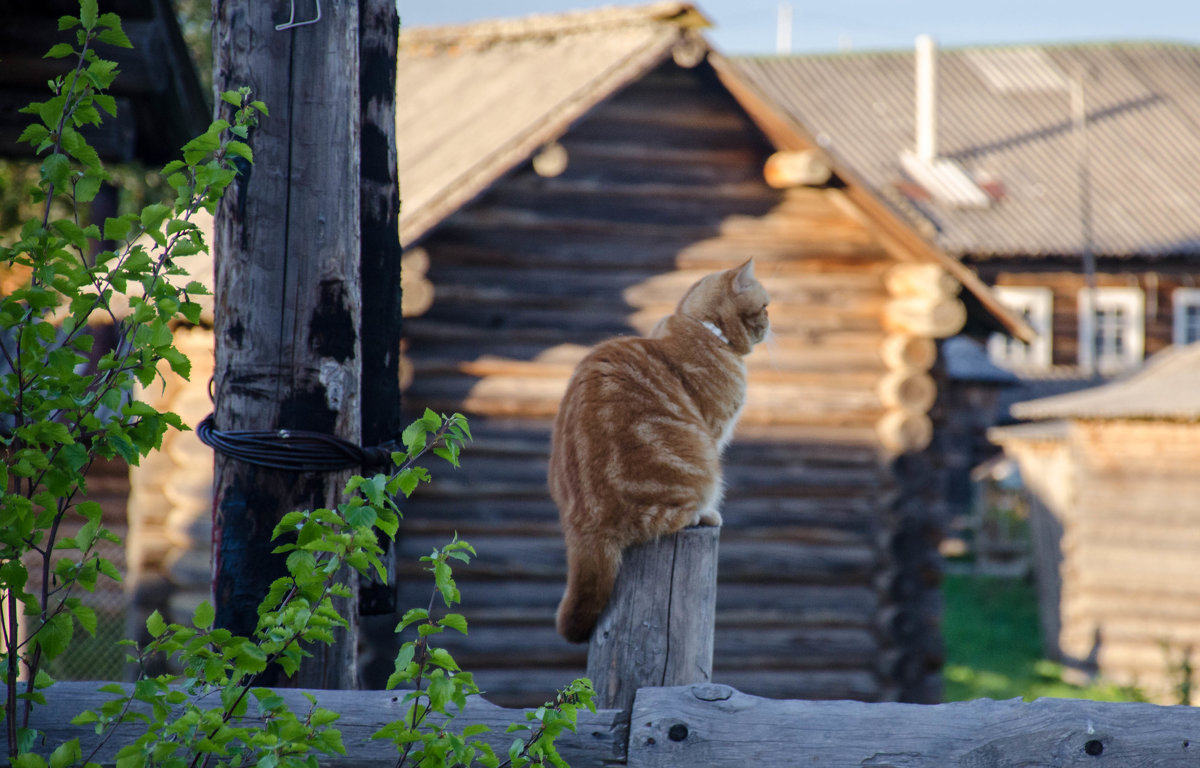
(564, 179)
(1112, 475)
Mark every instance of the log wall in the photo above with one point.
(664, 184)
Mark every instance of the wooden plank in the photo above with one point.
(599, 740)
(717, 725)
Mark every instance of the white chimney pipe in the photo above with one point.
(783, 29)
(926, 98)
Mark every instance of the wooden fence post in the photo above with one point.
(658, 627)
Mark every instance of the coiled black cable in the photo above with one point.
(293, 450)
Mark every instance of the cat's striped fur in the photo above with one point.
(639, 434)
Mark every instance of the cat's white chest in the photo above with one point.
(727, 429)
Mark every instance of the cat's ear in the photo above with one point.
(744, 279)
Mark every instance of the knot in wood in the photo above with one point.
(1094, 747)
(712, 692)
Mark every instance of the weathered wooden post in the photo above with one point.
(658, 627)
(288, 301)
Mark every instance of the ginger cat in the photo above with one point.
(638, 438)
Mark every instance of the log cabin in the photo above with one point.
(1059, 174)
(1029, 163)
(564, 179)
(1115, 502)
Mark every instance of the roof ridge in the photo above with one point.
(1118, 44)
(489, 31)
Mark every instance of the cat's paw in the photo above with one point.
(710, 517)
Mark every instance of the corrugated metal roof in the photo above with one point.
(475, 100)
(1168, 387)
(1005, 115)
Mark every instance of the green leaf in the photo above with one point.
(114, 35)
(106, 102)
(155, 624)
(204, 615)
(88, 13)
(241, 149)
(454, 621)
(154, 215)
(29, 759)
(66, 754)
(86, 616)
(413, 615)
(87, 187)
(56, 169)
(59, 51)
(54, 636)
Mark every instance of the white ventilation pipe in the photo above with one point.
(926, 148)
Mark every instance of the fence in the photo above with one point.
(691, 722)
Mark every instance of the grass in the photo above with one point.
(994, 645)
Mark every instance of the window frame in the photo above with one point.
(1128, 298)
(1181, 300)
(1013, 354)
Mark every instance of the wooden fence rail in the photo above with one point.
(708, 725)
(690, 722)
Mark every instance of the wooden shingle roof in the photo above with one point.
(475, 100)
(1167, 388)
(1005, 115)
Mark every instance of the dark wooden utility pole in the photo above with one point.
(379, 28)
(289, 241)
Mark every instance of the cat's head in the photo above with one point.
(735, 302)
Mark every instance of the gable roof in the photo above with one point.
(471, 104)
(1004, 114)
(1167, 387)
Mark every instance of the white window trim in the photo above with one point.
(1038, 301)
(1133, 301)
(1181, 299)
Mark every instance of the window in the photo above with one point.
(1111, 333)
(1187, 315)
(1034, 306)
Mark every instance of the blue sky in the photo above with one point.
(749, 26)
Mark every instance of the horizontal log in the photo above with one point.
(809, 167)
(598, 741)
(904, 350)
(907, 389)
(739, 606)
(913, 279)
(904, 431)
(924, 316)
(716, 725)
(508, 557)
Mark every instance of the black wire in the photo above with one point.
(292, 450)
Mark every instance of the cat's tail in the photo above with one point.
(591, 573)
